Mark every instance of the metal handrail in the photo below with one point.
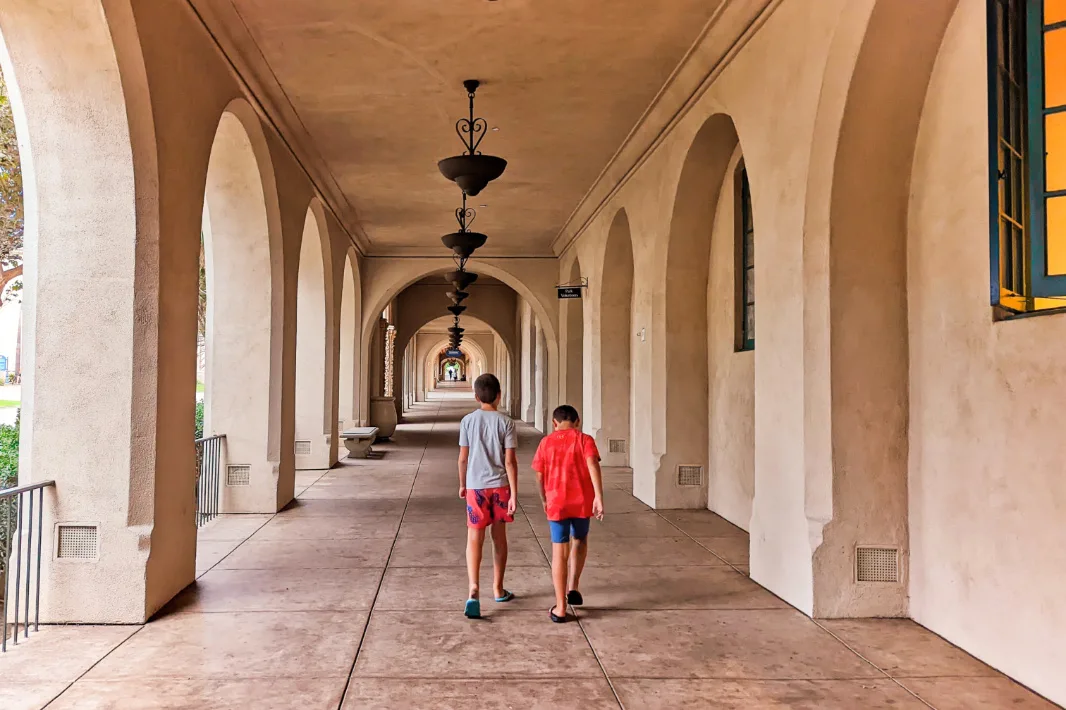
(9, 492)
(208, 473)
(14, 497)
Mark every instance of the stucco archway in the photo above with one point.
(686, 282)
(315, 447)
(351, 312)
(244, 272)
(616, 340)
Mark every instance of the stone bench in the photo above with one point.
(358, 441)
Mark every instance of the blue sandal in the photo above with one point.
(507, 596)
(473, 609)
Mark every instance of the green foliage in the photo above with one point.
(9, 454)
(9, 472)
(200, 419)
(12, 220)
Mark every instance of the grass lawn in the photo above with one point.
(199, 388)
(9, 403)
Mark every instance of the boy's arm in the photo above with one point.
(464, 456)
(597, 485)
(538, 468)
(510, 462)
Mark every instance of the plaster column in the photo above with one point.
(313, 439)
(541, 417)
(528, 344)
(108, 345)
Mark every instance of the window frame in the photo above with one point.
(744, 213)
(1036, 284)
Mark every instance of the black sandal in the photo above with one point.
(556, 618)
(574, 598)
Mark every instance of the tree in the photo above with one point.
(12, 215)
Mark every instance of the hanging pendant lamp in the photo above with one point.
(463, 243)
(460, 279)
(472, 171)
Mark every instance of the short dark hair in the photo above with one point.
(486, 388)
(565, 413)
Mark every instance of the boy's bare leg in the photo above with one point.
(560, 567)
(499, 557)
(475, 539)
(579, 550)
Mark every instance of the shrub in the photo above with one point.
(9, 472)
(200, 419)
(9, 453)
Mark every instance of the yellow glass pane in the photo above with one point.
(1055, 147)
(1055, 68)
(1056, 236)
(1054, 11)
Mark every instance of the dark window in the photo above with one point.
(1027, 106)
(745, 261)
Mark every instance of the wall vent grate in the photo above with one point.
(303, 447)
(616, 446)
(77, 542)
(239, 475)
(689, 475)
(877, 564)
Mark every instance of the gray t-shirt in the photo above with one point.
(487, 433)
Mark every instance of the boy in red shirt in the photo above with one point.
(571, 488)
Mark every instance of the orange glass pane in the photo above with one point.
(1056, 236)
(1055, 68)
(1054, 11)
(1055, 147)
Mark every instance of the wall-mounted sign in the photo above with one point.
(568, 291)
(453, 353)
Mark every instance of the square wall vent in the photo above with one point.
(616, 446)
(239, 475)
(303, 447)
(877, 564)
(689, 475)
(77, 542)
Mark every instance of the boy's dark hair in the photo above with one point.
(565, 413)
(486, 388)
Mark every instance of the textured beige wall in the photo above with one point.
(987, 491)
(731, 374)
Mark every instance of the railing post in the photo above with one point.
(12, 504)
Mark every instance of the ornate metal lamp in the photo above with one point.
(472, 171)
(463, 243)
(460, 278)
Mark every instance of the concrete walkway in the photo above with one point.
(352, 598)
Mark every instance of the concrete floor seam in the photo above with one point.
(381, 579)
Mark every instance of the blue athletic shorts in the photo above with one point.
(563, 529)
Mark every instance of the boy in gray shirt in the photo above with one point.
(488, 481)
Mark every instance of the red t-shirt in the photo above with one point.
(561, 459)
